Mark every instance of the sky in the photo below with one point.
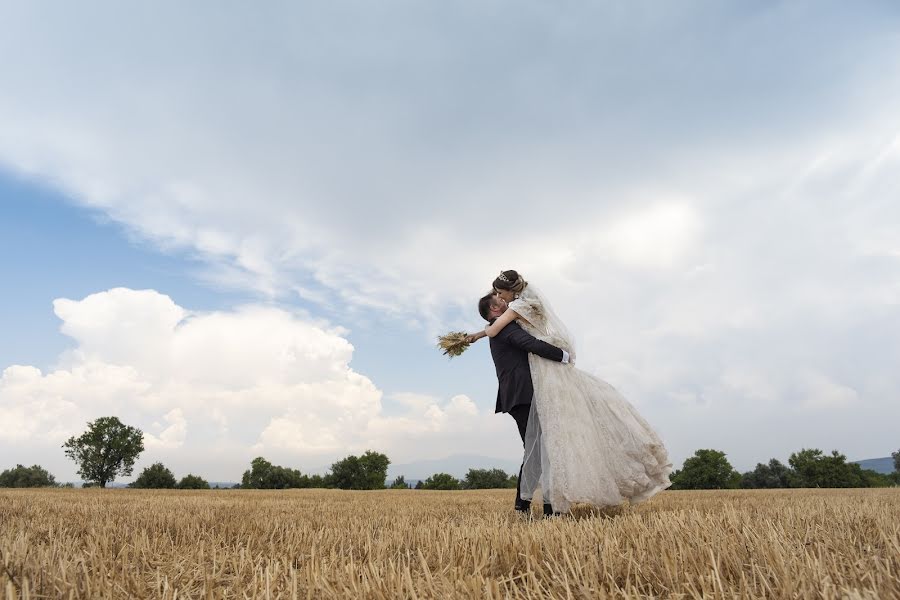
(240, 228)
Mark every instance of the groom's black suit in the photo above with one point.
(510, 349)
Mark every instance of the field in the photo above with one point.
(417, 544)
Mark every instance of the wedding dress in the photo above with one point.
(585, 442)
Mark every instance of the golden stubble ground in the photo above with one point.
(418, 544)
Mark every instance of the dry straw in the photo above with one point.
(453, 343)
(748, 544)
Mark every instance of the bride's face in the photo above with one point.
(505, 294)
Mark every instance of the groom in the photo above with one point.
(510, 349)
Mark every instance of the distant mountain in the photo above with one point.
(879, 465)
(457, 465)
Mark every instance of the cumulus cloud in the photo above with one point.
(708, 193)
(172, 436)
(258, 379)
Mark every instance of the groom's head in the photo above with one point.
(491, 306)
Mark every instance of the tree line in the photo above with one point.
(109, 449)
(807, 468)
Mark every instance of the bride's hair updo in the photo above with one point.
(510, 280)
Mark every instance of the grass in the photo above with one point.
(420, 544)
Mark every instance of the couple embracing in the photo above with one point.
(584, 442)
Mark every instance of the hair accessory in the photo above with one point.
(503, 277)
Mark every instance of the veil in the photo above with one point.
(545, 325)
(584, 441)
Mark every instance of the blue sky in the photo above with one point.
(54, 234)
(244, 235)
(54, 249)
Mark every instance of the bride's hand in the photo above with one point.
(474, 337)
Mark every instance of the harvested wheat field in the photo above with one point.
(418, 544)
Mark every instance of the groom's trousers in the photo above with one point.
(520, 414)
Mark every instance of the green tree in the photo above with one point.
(419, 485)
(896, 457)
(193, 482)
(441, 481)
(773, 475)
(156, 476)
(374, 467)
(399, 483)
(706, 470)
(366, 472)
(22, 477)
(486, 479)
(263, 475)
(107, 449)
(872, 478)
(812, 469)
(346, 474)
(259, 475)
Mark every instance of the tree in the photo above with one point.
(156, 476)
(896, 457)
(486, 479)
(107, 449)
(366, 472)
(374, 467)
(706, 470)
(22, 477)
(263, 475)
(812, 468)
(316, 481)
(441, 481)
(193, 482)
(399, 483)
(872, 478)
(346, 474)
(419, 485)
(773, 475)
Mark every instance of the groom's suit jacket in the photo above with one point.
(510, 349)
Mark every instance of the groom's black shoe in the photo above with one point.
(548, 512)
(523, 506)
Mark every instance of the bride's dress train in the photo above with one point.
(585, 442)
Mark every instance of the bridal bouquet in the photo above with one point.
(453, 343)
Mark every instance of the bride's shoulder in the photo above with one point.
(527, 304)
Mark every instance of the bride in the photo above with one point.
(585, 442)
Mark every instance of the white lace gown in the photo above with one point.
(585, 442)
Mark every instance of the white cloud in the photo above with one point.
(254, 380)
(821, 393)
(172, 436)
(655, 236)
(353, 167)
